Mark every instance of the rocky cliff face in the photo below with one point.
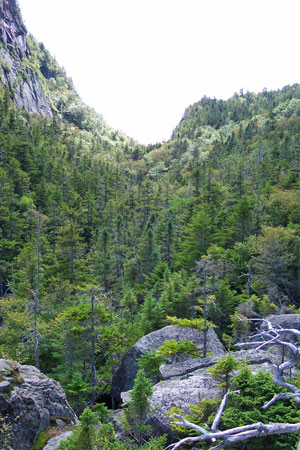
(29, 403)
(17, 73)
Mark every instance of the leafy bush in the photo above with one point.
(245, 407)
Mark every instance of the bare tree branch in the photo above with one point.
(220, 411)
(187, 424)
(187, 440)
(281, 396)
(233, 435)
(274, 339)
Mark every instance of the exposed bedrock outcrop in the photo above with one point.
(124, 377)
(30, 403)
(16, 71)
(54, 442)
(187, 382)
(286, 321)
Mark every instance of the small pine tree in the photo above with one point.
(152, 315)
(84, 436)
(224, 369)
(135, 416)
(87, 435)
(129, 301)
(141, 391)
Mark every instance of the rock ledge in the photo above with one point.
(30, 402)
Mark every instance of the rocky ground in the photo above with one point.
(186, 382)
(29, 403)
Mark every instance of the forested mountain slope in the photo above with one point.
(87, 216)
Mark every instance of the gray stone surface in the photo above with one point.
(54, 442)
(30, 95)
(181, 392)
(124, 377)
(188, 386)
(60, 422)
(287, 321)
(33, 400)
(125, 397)
(178, 369)
(284, 321)
(4, 386)
(187, 382)
(264, 360)
(7, 367)
(15, 72)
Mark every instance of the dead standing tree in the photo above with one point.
(221, 439)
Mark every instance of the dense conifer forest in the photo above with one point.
(102, 240)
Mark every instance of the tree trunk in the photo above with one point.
(93, 341)
(37, 290)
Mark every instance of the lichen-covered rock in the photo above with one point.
(7, 367)
(124, 377)
(285, 320)
(181, 392)
(54, 442)
(178, 369)
(5, 386)
(189, 382)
(33, 400)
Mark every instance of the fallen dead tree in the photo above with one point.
(221, 439)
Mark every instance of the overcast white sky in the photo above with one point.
(140, 63)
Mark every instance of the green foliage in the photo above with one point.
(84, 435)
(193, 323)
(223, 305)
(136, 414)
(152, 315)
(174, 348)
(151, 361)
(276, 255)
(197, 240)
(106, 439)
(154, 444)
(41, 440)
(223, 369)
(140, 393)
(129, 301)
(204, 410)
(102, 411)
(133, 221)
(256, 306)
(201, 413)
(76, 388)
(177, 293)
(246, 407)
